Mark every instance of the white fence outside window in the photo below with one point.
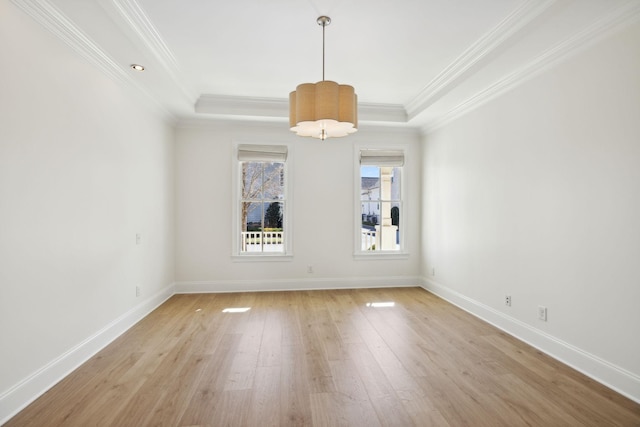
(368, 239)
(262, 241)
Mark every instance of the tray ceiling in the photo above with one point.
(414, 63)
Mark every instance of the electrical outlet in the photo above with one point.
(138, 238)
(137, 291)
(433, 271)
(507, 300)
(542, 313)
(309, 268)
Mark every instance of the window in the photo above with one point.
(262, 202)
(380, 200)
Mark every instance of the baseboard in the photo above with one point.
(608, 374)
(29, 389)
(213, 286)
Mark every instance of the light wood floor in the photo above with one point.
(323, 358)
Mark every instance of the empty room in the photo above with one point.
(320, 213)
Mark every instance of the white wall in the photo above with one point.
(322, 175)
(537, 195)
(83, 168)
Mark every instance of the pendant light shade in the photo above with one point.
(324, 109)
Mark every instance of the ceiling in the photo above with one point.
(413, 63)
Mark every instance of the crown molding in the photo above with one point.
(476, 54)
(242, 106)
(599, 30)
(135, 16)
(281, 125)
(47, 15)
(232, 123)
(279, 108)
(382, 113)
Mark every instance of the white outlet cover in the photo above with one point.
(542, 313)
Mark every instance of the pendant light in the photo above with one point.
(324, 109)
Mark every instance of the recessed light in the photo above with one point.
(137, 67)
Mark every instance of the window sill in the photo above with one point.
(262, 258)
(380, 255)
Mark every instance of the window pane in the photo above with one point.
(370, 171)
(387, 238)
(252, 180)
(251, 234)
(380, 202)
(273, 181)
(273, 215)
(395, 184)
(395, 214)
(273, 233)
(368, 230)
(370, 214)
(252, 216)
(370, 183)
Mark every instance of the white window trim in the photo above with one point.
(236, 183)
(358, 253)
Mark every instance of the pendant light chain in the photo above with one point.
(324, 25)
(323, 132)
(324, 21)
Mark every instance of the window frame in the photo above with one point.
(402, 252)
(236, 195)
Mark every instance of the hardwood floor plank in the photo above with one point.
(245, 360)
(399, 377)
(326, 410)
(75, 400)
(173, 379)
(345, 316)
(312, 344)
(421, 410)
(269, 354)
(200, 398)
(335, 409)
(329, 336)
(323, 358)
(264, 409)
(352, 393)
(398, 337)
(519, 396)
(222, 408)
(384, 398)
(295, 388)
